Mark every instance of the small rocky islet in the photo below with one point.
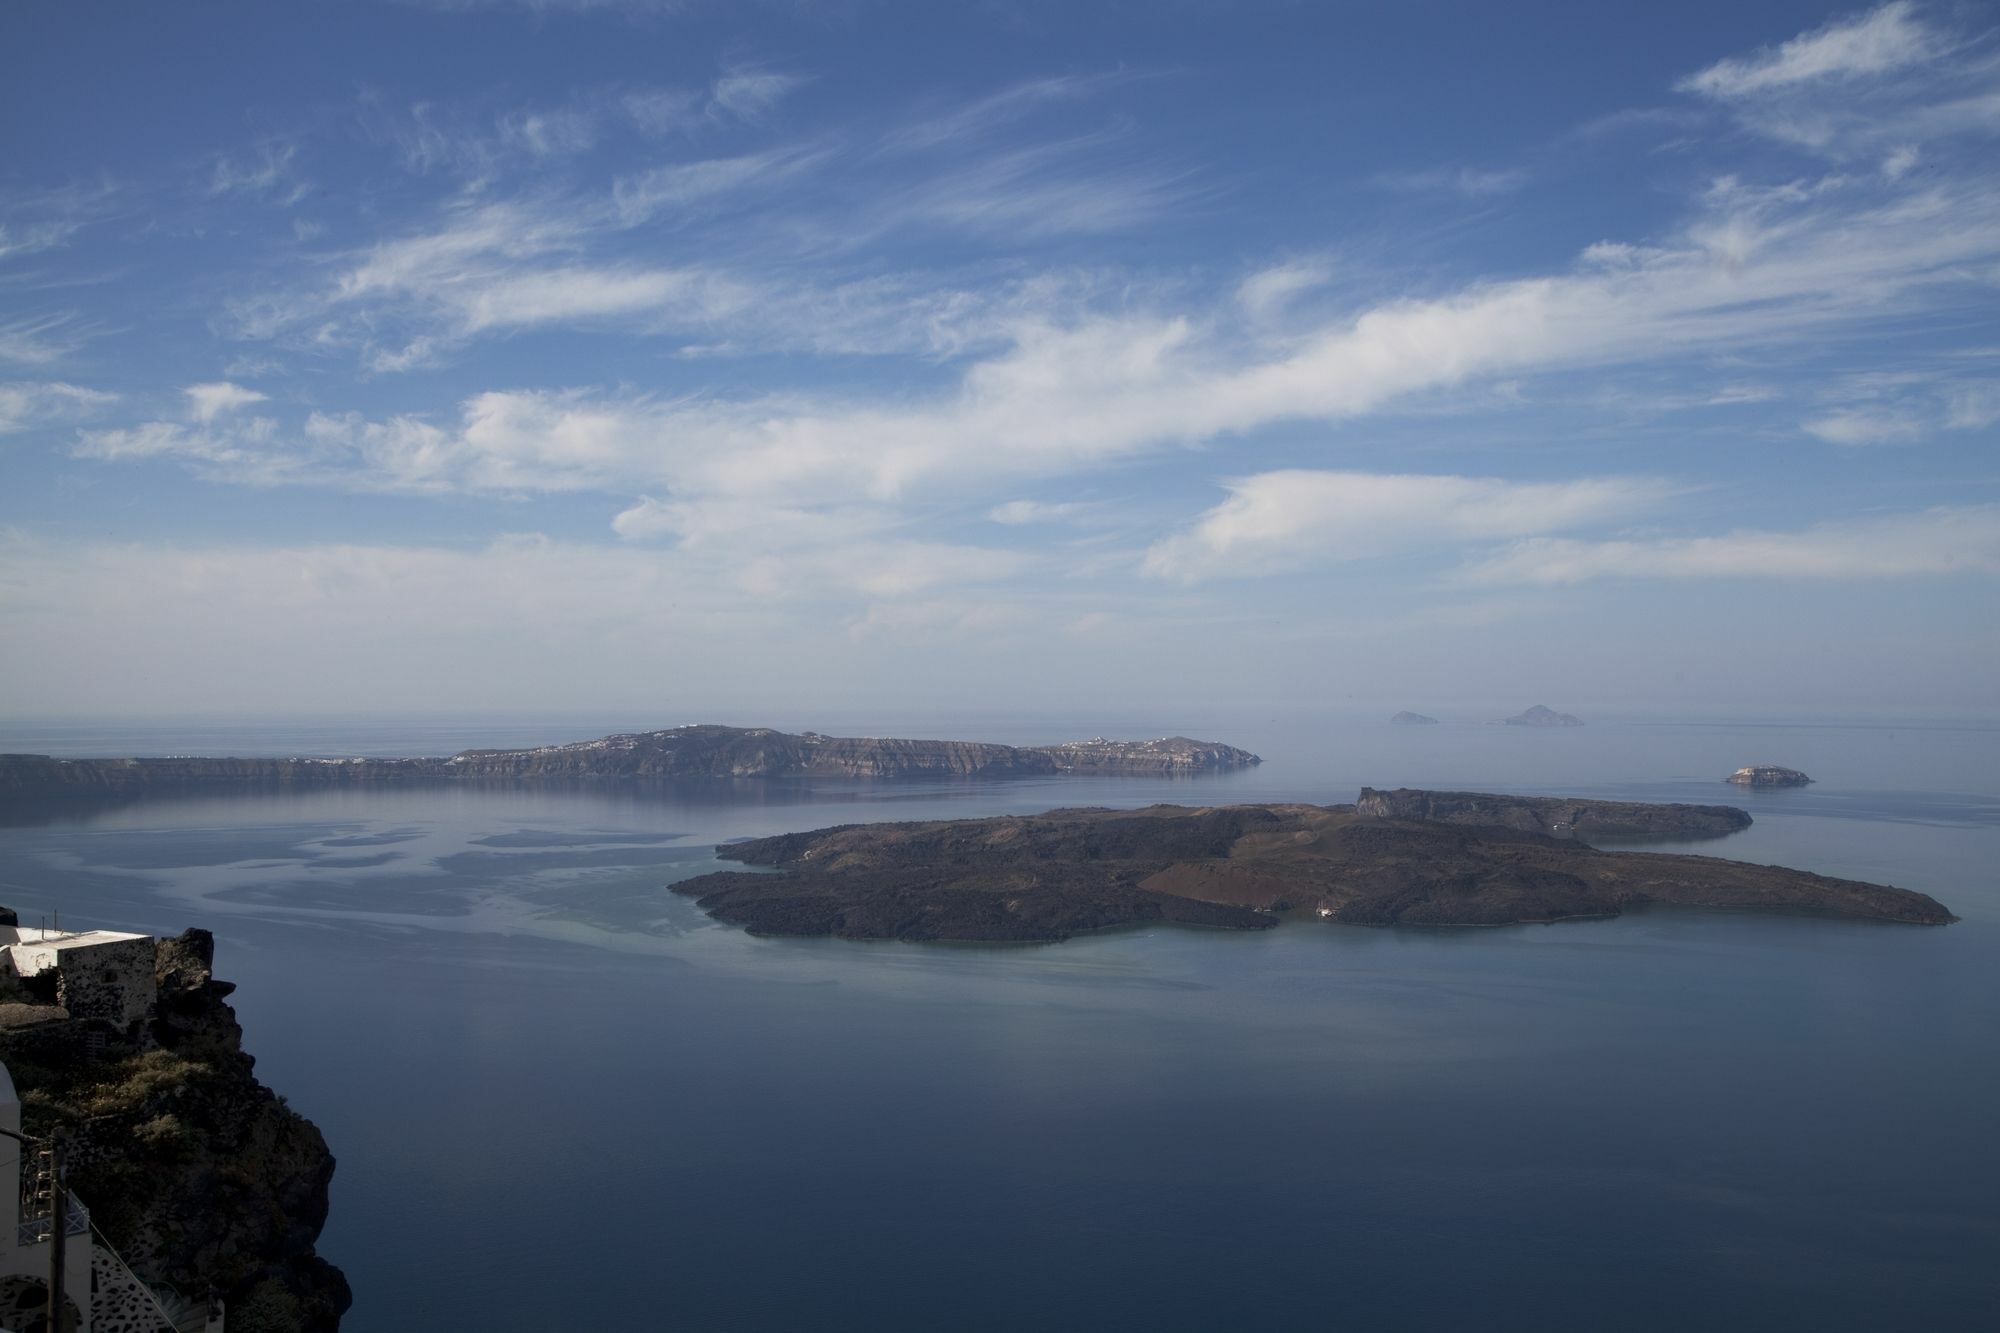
(1768, 775)
(1396, 858)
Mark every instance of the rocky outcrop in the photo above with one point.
(1538, 716)
(1557, 816)
(1414, 720)
(1769, 775)
(1047, 877)
(199, 1175)
(682, 752)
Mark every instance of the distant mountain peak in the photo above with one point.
(1543, 716)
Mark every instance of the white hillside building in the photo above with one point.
(105, 976)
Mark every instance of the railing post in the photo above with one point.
(58, 1232)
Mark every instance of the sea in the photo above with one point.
(562, 1097)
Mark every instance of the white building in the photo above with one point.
(105, 974)
(100, 975)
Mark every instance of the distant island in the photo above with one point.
(1769, 775)
(1414, 720)
(1539, 716)
(1051, 876)
(704, 751)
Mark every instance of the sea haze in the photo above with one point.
(534, 1062)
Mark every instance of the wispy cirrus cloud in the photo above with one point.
(40, 340)
(1960, 539)
(750, 92)
(1017, 513)
(980, 118)
(1058, 396)
(268, 171)
(1472, 182)
(26, 403)
(498, 265)
(1881, 82)
(32, 238)
(1889, 38)
(1861, 427)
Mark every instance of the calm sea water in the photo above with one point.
(561, 1097)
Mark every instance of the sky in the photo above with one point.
(741, 360)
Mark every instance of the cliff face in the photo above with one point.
(1560, 816)
(40, 775)
(683, 752)
(199, 1175)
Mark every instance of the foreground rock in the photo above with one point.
(682, 752)
(1414, 720)
(197, 1174)
(1050, 876)
(1557, 816)
(1538, 716)
(1769, 775)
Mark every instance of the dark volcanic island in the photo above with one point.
(1399, 858)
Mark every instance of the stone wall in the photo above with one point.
(112, 981)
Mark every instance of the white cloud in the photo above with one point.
(1884, 39)
(1018, 512)
(1732, 395)
(979, 118)
(747, 93)
(552, 133)
(659, 111)
(679, 186)
(1865, 426)
(734, 524)
(34, 237)
(267, 171)
(1071, 187)
(206, 402)
(1268, 291)
(1947, 540)
(1083, 391)
(26, 404)
(248, 452)
(39, 340)
(1472, 182)
(1280, 521)
(1973, 407)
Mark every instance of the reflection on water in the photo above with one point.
(501, 1017)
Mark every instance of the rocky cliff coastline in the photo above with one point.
(1557, 816)
(705, 751)
(199, 1175)
(1048, 877)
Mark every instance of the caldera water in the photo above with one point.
(561, 1097)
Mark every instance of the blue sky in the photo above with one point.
(742, 360)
